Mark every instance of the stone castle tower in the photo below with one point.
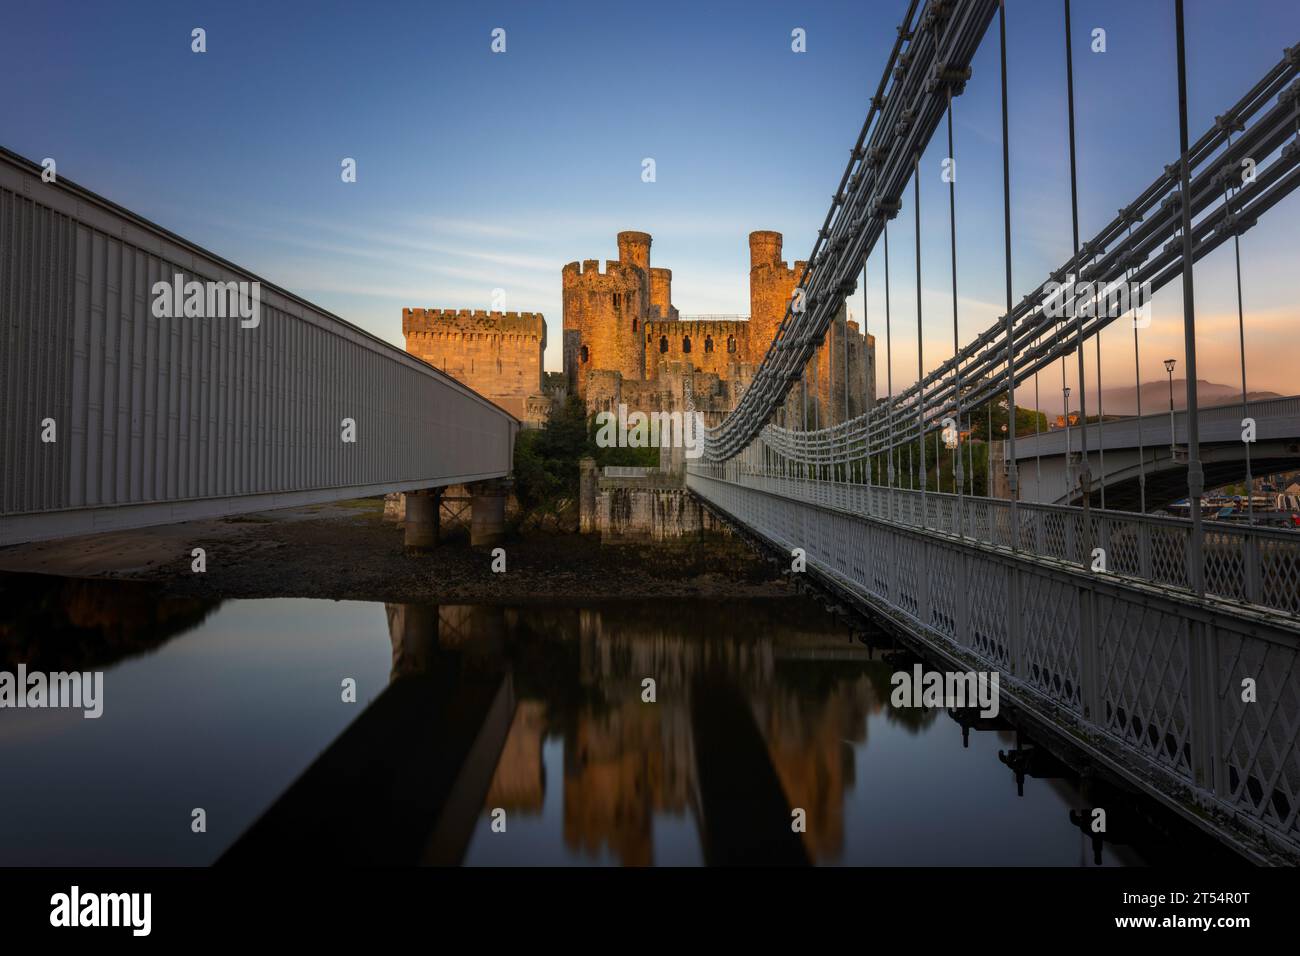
(771, 283)
(604, 312)
(498, 354)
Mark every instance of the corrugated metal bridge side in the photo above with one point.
(170, 419)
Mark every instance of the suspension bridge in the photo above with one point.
(1163, 648)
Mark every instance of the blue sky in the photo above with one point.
(479, 171)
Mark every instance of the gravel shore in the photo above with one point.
(349, 551)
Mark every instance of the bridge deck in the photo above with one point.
(1274, 417)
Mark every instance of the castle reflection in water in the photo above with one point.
(578, 677)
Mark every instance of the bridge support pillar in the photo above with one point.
(422, 520)
(487, 524)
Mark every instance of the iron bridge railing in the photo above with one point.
(1241, 563)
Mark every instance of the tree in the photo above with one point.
(546, 458)
(1026, 420)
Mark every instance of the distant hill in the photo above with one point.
(1155, 397)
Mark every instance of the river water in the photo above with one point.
(491, 735)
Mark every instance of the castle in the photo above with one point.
(624, 342)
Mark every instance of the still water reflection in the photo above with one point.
(761, 708)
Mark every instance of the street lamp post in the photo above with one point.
(1007, 464)
(1069, 468)
(1173, 445)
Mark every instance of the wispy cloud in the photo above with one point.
(466, 227)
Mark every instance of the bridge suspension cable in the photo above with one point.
(1137, 390)
(1084, 476)
(1241, 339)
(1195, 479)
(939, 46)
(957, 477)
(920, 340)
(889, 363)
(1139, 243)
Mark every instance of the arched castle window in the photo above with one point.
(708, 344)
(618, 301)
(686, 343)
(663, 344)
(731, 343)
(584, 355)
(634, 323)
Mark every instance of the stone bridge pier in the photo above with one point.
(487, 525)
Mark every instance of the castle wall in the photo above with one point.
(604, 390)
(830, 373)
(497, 354)
(714, 346)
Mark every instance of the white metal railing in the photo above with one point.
(1243, 563)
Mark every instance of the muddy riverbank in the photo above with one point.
(347, 550)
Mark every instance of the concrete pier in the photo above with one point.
(487, 525)
(422, 520)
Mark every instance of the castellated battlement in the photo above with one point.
(781, 268)
(698, 329)
(853, 326)
(590, 269)
(480, 321)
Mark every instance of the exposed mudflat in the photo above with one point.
(348, 550)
